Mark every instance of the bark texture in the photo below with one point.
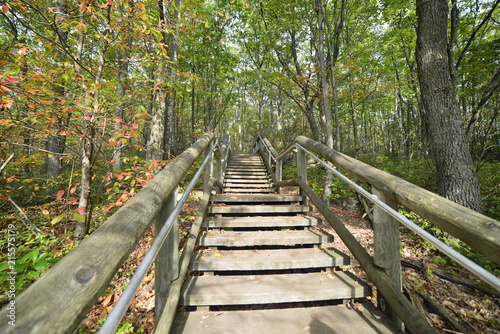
(457, 179)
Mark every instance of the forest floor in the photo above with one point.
(475, 311)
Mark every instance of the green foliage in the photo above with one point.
(125, 327)
(489, 179)
(465, 250)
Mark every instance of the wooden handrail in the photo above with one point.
(383, 270)
(60, 299)
(475, 229)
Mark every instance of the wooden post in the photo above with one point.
(302, 172)
(167, 260)
(209, 167)
(386, 248)
(279, 167)
(218, 172)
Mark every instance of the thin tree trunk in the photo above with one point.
(123, 62)
(56, 141)
(325, 99)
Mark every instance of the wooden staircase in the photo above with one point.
(260, 266)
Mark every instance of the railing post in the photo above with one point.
(209, 167)
(386, 248)
(302, 172)
(279, 167)
(167, 260)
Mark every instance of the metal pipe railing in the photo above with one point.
(267, 148)
(464, 261)
(115, 316)
(473, 267)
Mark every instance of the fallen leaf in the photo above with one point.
(107, 300)
(218, 255)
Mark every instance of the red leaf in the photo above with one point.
(73, 199)
(60, 194)
(119, 177)
(109, 207)
(87, 118)
(5, 8)
(135, 125)
(72, 191)
(3, 198)
(80, 209)
(247, 5)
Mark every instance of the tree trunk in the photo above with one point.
(173, 23)
(55, 142)
(325, 99)
(457, 179)
(156, 142)
(123, 61)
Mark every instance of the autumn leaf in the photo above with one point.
(206, 24)
(247, 5)
(60, 194)
(218, 255)
(107, 300)
(5, 8)
(57, 219)
(78, 217)
(45, 212)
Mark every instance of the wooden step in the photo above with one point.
(317, 320)
(263, 238)
(272, 259)
(263, 289)
(246, 177)
(235, 180)
(236, 190)
(247, 185)
(234, 173)
(245, 163)
(254, 198)
(258, 221)
(256, 209)
(247, 168)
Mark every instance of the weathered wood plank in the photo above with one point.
(268, 259)
(476, 230)
(255, 209)
(258, 221)
(264, 238)
(395, 298)
(172, 299)
(59, 300)
(386, 245)
(255, 198)
(317, 320)
(263, 289)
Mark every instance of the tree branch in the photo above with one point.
(473, 35)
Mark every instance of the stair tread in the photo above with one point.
(255, 198)
(247, 185)
(248, 190)
(235, 180)
(317, 320)
(259, 221)
(262, 289)
(263, 238)
(259, 209)
(270, 259)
